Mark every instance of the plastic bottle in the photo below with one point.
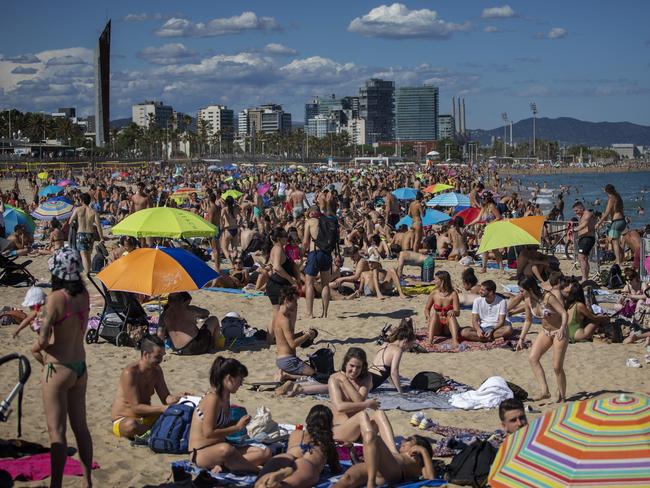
(428, 269)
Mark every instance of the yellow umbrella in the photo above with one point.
(172, 223)
(438, 187)
(43, 175)
(512, 232)
(231, 193)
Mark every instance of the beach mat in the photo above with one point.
(443, 344)
(37, 467)
(326, 480)
(236, 291)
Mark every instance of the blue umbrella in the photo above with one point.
(51, 190)
(59, 209)
(452, 199)
(405, 193)
(230, 167)
(213, 167)
(14, 216)
(431, 217)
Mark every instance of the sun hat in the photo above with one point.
(34, 296)
(65, 264)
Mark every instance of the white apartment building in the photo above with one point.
(140, 114)
(219, 118)
(356, 129)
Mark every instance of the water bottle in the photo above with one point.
(428, 269)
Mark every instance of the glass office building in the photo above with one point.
(416, 113)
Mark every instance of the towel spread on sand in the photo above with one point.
(236, 291)
(489, 395)
(37, 467)
(443, 344)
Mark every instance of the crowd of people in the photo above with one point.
(289, 234)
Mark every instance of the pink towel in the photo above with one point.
(37, 467)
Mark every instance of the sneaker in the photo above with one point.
(633, 363)
(416, 418)
(426, 424)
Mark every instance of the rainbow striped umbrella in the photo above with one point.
(597, 442)
(59, 209)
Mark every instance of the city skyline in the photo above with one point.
(573, 60)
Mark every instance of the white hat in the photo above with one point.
(234, 315)
(34, 296)
(373, 259)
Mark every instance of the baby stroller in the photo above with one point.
(24, 370)
(123, 321)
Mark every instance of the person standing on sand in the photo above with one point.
(614, 210)
(60, 350)
(214, 217)
(416, 212)
(86, 218)
(586, 232)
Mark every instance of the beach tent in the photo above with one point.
(512, 232)
(596, 442)
(173, 223)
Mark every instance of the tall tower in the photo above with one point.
(102, 85)
(464, 121)
(453, 114)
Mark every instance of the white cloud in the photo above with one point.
(504, 12)
(318, 69)
(22, 59)
(279, 49)
(396, 21)
(247, 21)
(173, 53)
(143, 16)
(250, 67)
(554, 33)
(492, 29)
(65, 61)
(23, 70)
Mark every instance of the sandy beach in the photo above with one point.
(592, 369)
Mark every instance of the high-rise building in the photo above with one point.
(242, 123)
(320, 126)
(416, 113)
(102, 86)
(446, 127)
(158, 112)
(376, 106)
(219, 119)
(265, 118)
(356, 129)
(68, 112)
(311, 109)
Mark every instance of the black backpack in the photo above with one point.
(615, 279)
(328, 234)
(323, 362)
(518, 391)
(471, 466)
(428, 380)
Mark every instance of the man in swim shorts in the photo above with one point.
(586, 231)
(132, 412)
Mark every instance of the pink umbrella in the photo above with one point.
(66, 183)
(263, 188)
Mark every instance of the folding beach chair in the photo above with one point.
(13, 273)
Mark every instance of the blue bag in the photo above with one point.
(170, 433)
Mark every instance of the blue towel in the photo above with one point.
(236, 291)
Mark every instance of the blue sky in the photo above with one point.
(584, 59)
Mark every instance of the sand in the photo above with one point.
(592, 369)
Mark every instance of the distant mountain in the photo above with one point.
(119, 123)
(571, 131)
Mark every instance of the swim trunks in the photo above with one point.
(318, 261)
(200, 344)
(291, 365)
(586, 244)
(297, 211)
(84, 241)
(616, 228)
(147, 421)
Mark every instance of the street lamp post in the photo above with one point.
(504, 116)
(533, 108)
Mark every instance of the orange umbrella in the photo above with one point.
(438, 187)
(512, 232)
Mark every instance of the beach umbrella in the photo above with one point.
(186, 192)
(213, 167)
(512, 232)
(5, 244)
(230, 167)
(405, 193)
(172, 223)
(66, 182)
(262, 188)
(14, 216)
(231, 193)
(469, 214)
(157, 271)
(431, 217)
(437, 188)
(43, 175)
(59, 209)
(597, 442)
(451, 199)
(50, 190)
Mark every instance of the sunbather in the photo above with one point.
(442, 310)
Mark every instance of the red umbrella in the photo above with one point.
(469, 215)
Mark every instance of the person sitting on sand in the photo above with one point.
(132, 412)
(308, 451)
(388, 358)
(348, 391)
(545, 306)
(512, 415)
(211, 423)
(470, 286)
(360, 265)
(178, 321)
(20, 241)
(443, 309)
(35, 299)
(488, 316)
(531, 262)
(574, 300)
(384, 463)
(378, 281)
(284, 325)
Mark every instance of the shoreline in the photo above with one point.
(636, 168)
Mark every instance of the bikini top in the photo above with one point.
(82, 315)
(223, 418)
(545, 311)
(446, 308)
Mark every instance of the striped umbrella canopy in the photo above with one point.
(51, 190)
(598, 442)
(186, 192)
(451, 199)
(14, 216)
(431, 217)
(51, 209)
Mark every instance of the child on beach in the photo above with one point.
(34, 300)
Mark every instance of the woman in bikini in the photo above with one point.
(60, 349)
(230, 217)
(579, 313)
(545, 306)
(470, 286)
(443, 319)
(211, 424)
(614, 210)
(416, 212)
(308, 451)
(489, 213)
(387, 360)
(348, 390)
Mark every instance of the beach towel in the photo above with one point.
(37, 467)
(326, 480)
(418, 289)
(489, 395)
(236, 291)
(443, 344)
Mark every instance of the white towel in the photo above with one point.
(489, 395)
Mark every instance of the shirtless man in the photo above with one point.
(586, 231)
(319, 261)
(132, 412)
(458, 240)
(214, 217)
(178, 321)
(86, 218)
(286, 340)
(298, 201)
(631, 239)
(391, 207)
(360, 265)
(139, 201)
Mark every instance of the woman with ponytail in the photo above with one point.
(308, 452)
(387, 359)
(211, 423)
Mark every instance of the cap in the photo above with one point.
(34, 296)
(65, 264)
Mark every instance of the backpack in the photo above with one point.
(471, 466)
(170, 433)
(615, 279)
(328, 234)
(232, 328)
(323, 362)
(428, 380)
(98, 262)
(518, 391)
